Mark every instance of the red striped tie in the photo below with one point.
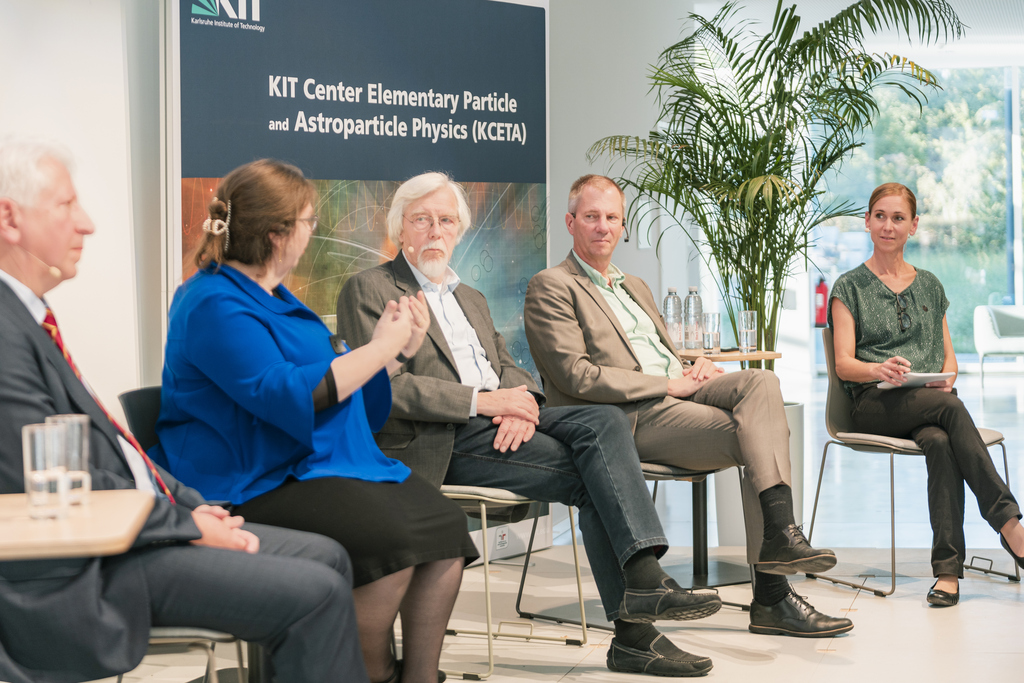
(50, 325)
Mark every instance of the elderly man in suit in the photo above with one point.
(597, 337)
(464, 413)
(192, 564)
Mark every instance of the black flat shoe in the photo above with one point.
(1016, 558)
(940, 598)
(644, 605)
(661, 658)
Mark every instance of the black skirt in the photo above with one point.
(385, 527)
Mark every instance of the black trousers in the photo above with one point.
(954, 452)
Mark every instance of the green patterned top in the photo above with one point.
(876, 316)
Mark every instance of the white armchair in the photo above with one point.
(998, 331)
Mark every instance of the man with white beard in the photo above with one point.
(464, 413)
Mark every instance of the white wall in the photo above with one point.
(601, 51)
(62, 76)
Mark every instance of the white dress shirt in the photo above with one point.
(474, 368)
(37, 309)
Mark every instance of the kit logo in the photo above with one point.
(212, 8)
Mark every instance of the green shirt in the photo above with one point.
(877, 321)
(655, 358)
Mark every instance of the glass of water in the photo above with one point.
(77, 440)
(46, 475)
(712, 334)
(748, 331)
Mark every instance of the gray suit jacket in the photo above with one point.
(89, 616)
(579, 346)
(428, 400)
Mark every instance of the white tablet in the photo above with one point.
(917, 379)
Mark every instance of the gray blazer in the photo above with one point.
(578, 344)
(89, 616)
(428, 400)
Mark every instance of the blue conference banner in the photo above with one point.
(365, 90)
(362, 95)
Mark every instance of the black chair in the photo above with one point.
(141, 409)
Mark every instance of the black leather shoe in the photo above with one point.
(644, 605)
(941, 598)
(1016, 558)
(662, 658)
(788, 552)
(794, 616)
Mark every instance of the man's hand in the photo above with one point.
(694, 377)
(516, 402)
(221, 530)
(512, 431)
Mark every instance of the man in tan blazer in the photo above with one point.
(464, 413)
(597, 337)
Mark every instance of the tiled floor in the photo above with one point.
(898, 638)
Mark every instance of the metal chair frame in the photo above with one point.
(165, 640)
(837, 421)
(500, 498)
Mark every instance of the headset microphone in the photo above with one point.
(54, 270)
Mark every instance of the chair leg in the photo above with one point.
(892, 508)
(981, 366)
(241, 662)
(817, 492)
(467, 675)
(1015, 577)
(582, 623)
(654, 493)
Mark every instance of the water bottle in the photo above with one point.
(692, 312)
(673, 310)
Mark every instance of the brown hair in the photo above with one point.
(265, 198)
(591, 179)
(890, 189)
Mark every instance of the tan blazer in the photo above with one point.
(581, 350)
(428, 398)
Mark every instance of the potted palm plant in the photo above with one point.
(752, 124)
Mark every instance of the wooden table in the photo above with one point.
(694, 354)
(108, 525)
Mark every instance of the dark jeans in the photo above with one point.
(582, 456)
(954, 453)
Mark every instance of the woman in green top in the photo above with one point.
(889, 318)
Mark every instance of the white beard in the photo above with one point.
(433, 268)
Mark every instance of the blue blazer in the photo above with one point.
(236, 414)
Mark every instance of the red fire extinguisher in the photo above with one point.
(820, 307)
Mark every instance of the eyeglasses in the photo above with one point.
(424, 222)
(614, 221)
(313, 222)
(901, 312)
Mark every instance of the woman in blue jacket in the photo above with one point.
(262, 407)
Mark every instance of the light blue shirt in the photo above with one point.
(474, 368)
(655, 358)
(37, 309)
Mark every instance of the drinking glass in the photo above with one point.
(712, 334)
(46, 475)
(748, 331)
(77, 445)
